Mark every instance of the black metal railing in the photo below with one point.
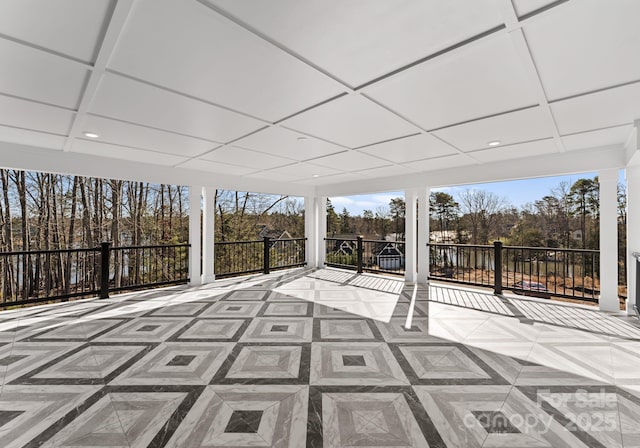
(366, 255)
(51, 275)
(535, 271)
(246, 257)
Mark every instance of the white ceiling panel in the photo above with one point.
(70, 27)
(362, 42)
(39, 117)
(298, 171)
(40, 76)
(285, 143)
(127, 134)
(608, 108)
(215, 167)
(524, 7)
(478, 80)
(407, 149)
(386, 171)
(518, 151)
(595, 43)
(223, 63)
(129, 100)
(33, 138)
(125, 153)
(602, 137)
(351, 121)
(335, 179)
(247, 158)
(351, 161)
(520, 126)
(440, 163)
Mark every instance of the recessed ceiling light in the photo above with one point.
(494, 143)
(315, 175)
(90, 134)
(301, 139)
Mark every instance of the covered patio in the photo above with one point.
(322, 99)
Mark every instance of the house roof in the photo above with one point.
(319, 96)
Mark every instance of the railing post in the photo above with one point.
(104, 270)
(359, 250)
(497, 257)
(266, 257)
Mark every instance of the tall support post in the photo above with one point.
(410, 236)
(633, 235)
(322, 230)
(208, 234)
(423, 235)
(194, 235)
(311, 230)
(608, 180)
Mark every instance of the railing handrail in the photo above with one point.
(548, 249)
(155, 246)
(89, 249)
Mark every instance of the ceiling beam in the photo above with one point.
(116, 25)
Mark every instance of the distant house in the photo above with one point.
(576, 235)
(390, 257)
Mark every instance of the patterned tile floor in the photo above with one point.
(317, 359)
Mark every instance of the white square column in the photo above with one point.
(608, 180)
(633, 233)
(321, 206)
(311, 231)
(208, 235)
(410, 236)
(423, 235)
(194, 235)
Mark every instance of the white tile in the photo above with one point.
(586, 45)
(351, 161)
(40, 76)
(286, 143)
(191, 49)
(127, 134)
(407, 149)
(523, 7)
(215, 167)
(521, 126)
(351, 121)
(125, 153)
(244, 157)
(70, 27)
(517, 151)
(298, 171)
(359, 43)
(604, 109)
(39, 117)
(481, 79)
(603, 137)
(33, 138)
(333, 179)
(386, 171)
(125, 99)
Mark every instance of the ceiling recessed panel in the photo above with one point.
(39, 117)
(351, 161)
(351, 121)
(416, 147)
(524, 7)
(608, 108)
(187, 47)
(440, 163)
(33, 138)
(40, 76)
(519, 151)
(358, 42)
(215, 167)
(285, 143)
(602, 137)
(127, 134)
(478, 80)
(70, 27)
(386, 171)
(298, 171)
(586, 45)
(132, 101)
(125, 153)
(247, 158)
(520, 126)
(334, 179)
